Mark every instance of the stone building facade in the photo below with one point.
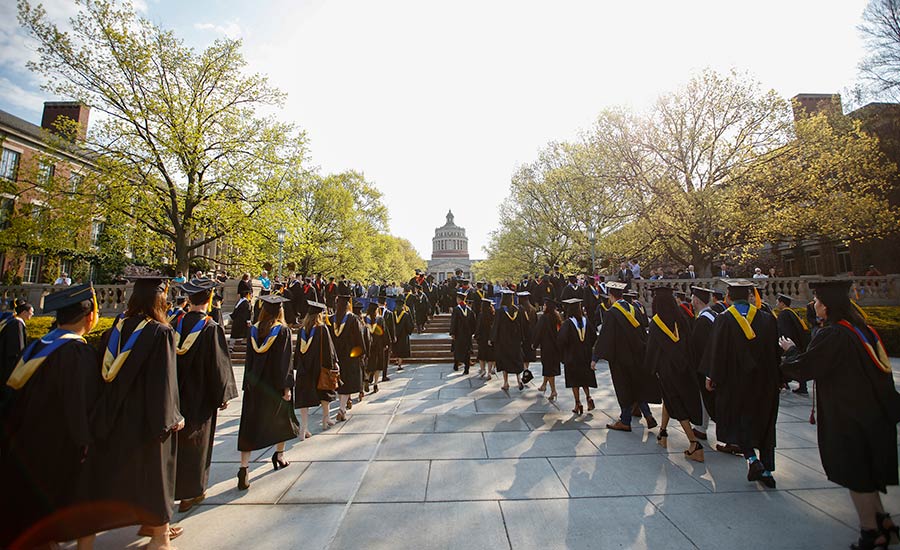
(449, 251)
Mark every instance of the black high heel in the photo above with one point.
(590, 403)
(579, 409)
(891, 533)
(867, 540)
(278, 460)
(663, 439)
(243, 485)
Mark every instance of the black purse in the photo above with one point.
(527, 376)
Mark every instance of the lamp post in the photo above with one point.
(280, 234)
(593, 238)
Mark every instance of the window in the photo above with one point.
(6, 212)
(96, 231)
(66, 266)
(843, 263)
(9, 164)
(45, 172)
(813, 262)
(32, 268)
(790, 266)
(75, 181)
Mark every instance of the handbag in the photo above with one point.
(527, 376)
(329, 377)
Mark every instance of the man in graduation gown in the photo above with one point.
(240, 317)
(205, 385)
(571, 290)
(622, 342)
(54, 385)
(390, 329)
(791, 325)
(591, 295)
(743, 361)
(700, 332)
(462, 327)
(12, 342)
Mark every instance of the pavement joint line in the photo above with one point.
(550, 462)
(334, 533)
(428, 480)
(505, 527)
(672, 523)
(792, 493)
(291, 486)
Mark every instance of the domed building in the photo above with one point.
(449, 251)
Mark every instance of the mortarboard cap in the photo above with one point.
(506, 291)
(524, 294)
(630, 294)
(144, 277)
(785, 299)
(573, 277)
(701, 292)
(463, 281)
(718, 294)
(616, 285)
(273, 299)
(549, 300)
(69, 296)
(832, 292)
(659, 290)
(196, 286)
(572, 301)
(739, 283)
(461, 293)
(315, 307)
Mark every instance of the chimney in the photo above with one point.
(810, 104)
(72, 110)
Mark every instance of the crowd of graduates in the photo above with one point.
(94, 440)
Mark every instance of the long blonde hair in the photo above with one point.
(313, 319)
(268, 319)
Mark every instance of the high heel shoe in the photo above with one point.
(868, 540)
(579, 408)
(341, 416)
(663, 439)
(542, 388)
(243, 484)
(590, 402)
(521, 386)
(552, 397)
(892, 533)
(278, 460)
(695, 452)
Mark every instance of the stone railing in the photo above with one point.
(112, 299)
(867, 291)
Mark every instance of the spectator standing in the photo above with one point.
(758, 274)
(63, 279)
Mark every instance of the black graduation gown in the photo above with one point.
(205, 381)
(135, 448)
(291, 309)
(12, 342)
(672, 364)
(49, 439)
(747, 379)
(529, 318)
(623, 345)
(483, 335)
(352, 336)
(789, 326)
(240, 319)
(545, 337)
(308, 367)
(858, 409)
(599, 313)
(508, 337)
(591, 300)
(266, 418)
(376, 358)
(216, 314)
(699, 343)
(570, 292)
(423, 308)
(576, 354)
(462, 327)
(403, 327)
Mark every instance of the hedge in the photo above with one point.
(886, 321)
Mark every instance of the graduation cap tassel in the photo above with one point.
(812, 413)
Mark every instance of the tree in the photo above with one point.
(182, 150)
(881, 33)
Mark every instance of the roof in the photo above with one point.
(21, 128)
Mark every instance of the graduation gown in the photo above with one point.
(747, 379)
(134, 463)
(240, 319)
(205, 381)
(403, 327)
(576, 353)
(700, 332)
(529, 319)
(545, 337)
(352, 337)
(789, 326)
(571, 291)
(308, 366)
(379, 343)
(485, 322)
(591, 297)
(49, 440)
(266, 418)
(423, 308)
(508, 337)
(462, 327)
(12, 342)
(858, 408)
(623, 346)
(672, 364)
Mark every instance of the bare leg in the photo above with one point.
(685, 425)
(86, 543)
(304, 423)
(543, 387)
(665, 419)
(342, 413)
(867, 505)
(505, 380)
(326, 415)
(552, 386)
(160, 538)
(279, 448)
(245, 459)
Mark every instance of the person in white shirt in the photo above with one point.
(758, 274)
(63, 279)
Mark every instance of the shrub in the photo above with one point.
(885, 319)
(39, 326)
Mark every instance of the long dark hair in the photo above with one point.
(147, 301)
(526, 306)
(507, 300)
(552, 314)
(840, 308)
(487, 314)
(666, 307)
(270, 316)
(574, 310)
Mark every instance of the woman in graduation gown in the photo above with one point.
(205, 385)
(529, 316)
(12, 342)
(576, 340)
(348, 334)
(403, 327)
(267, 416)
(54, 386)
(379, 341)
(858, 407)
(545, 337)
(669, 357)
(137, 415)
(240, 317)
(483, 336)
(507, 338)
(315, 351)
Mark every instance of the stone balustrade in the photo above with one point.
(867, 291)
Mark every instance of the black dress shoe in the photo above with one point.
(768, 480)
(755, 471)
(385, 379)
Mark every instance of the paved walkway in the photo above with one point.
(438, 460)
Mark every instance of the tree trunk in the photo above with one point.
(182, 258)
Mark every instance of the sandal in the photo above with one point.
(868, 540)
(663, 439)
(147, 531)
(695, 452)
(892, 533)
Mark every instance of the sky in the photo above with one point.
(438, 103)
